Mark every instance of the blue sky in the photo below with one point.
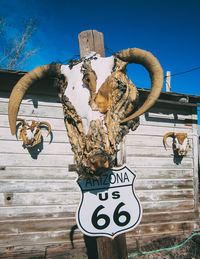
(170, 29)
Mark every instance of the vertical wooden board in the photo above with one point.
(168, 81)
(91, 40)
(112, 248)
(196, 166)
(99, 43)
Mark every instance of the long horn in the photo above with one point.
(22, 86)
(154, 68)
(169, 134)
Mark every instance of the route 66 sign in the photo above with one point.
(108, 205)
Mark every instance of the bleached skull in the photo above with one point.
(99, 103)
(180, 143)
(30, 132)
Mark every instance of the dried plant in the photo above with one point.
(15, 50)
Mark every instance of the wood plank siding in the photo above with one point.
(39, 196)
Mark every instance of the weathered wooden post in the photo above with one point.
(93, 40)
(168, 81)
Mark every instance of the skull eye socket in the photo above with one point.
(86, 79)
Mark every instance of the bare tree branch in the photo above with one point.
(15, 52)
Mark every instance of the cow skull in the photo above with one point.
(99, 103)
(30, 133)
(180, 143)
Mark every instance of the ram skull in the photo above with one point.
(99, 103)
(180, 143)
(30, 132)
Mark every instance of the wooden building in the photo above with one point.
(38, 192)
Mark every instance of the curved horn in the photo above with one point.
(22, 86)
(169, 134)
(154, 68)
(19, 119)
(48, 126)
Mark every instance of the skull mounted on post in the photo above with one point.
(99, 103)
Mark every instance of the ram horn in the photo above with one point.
(48, 126)
(169, 134)
(22, 121)
(154, 68)
(22, 86)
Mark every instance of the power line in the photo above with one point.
(110, 51)
(187, 71)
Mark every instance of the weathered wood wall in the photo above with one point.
(168, 188)
(39, 196)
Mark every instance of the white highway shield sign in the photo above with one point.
(108, 205)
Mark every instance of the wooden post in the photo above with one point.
(168, 81)
(112, 248)
(92, 40)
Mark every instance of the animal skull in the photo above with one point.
(180, 142)
(30, 133)
(99, 103)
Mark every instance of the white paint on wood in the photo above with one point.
(154, 162)
(150, 130)
(41, 160)
(56, 124)
(37, 173)
(155, 151)
(69, 196)
(48, 148)
(162, 173)
(13, 186)
(72, 197)
(30, 110)
(166, 184)
(28, 212)
(196, 163)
